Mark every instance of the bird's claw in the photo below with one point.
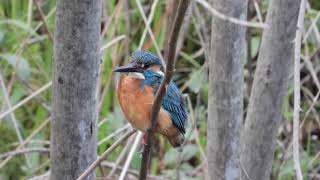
(145, 139)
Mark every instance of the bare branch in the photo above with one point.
(24, 151)
(112, 42)
(218, 14)
(93, 166)
(130, 156)
(27, 140)
(114, 134)
(133, 172)
(150, 18)
(13, 117)
(183, 5)
(43, 18)
(120, 158)
(22, 102)
(149, 30)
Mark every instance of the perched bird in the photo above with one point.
(140, 81)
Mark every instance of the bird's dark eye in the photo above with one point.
(145, 66)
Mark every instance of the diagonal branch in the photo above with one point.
(13, 117)
(93, 166)
(183, 5)
(130, 156)
(22, 102)
(147, 24)
(43, 18)
(222, 16)
(26, 141)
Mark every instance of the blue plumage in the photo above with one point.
(146, 58)
(173, 102)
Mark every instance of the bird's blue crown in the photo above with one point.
(146, 58)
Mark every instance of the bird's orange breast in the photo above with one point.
(136, 104)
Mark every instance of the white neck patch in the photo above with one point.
(136, 75)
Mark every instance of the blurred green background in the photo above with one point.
(26, 57)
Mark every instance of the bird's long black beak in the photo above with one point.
(131, 67)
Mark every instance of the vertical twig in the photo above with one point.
(150, 18)
(182, 8)
(120, 158)
(93, 166)
(296, 112)
(130, 156)
(149, 29)
(29, 19)
(43, 18)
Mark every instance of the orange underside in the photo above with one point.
(136, 106)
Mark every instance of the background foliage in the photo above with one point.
(26, 56)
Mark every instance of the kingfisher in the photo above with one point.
(136, 90)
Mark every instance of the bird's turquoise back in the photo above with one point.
(173, 102)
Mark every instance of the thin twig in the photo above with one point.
(150, 18)
(192, 128)
(93, 166)
(120, 158)
(13, 117)
(42, 166)
(182, 8)
(27, 140)
(130, 156)
(24, 151)
(222, 16)
(244, 170)
(133, 172)
(314, 101)
(312, 71)
(34, 142)
(311, 27)
(149, 30)
(114, 134)
(256, 6)
(29, 19)
(314, 25)
(112, 42)
(22, 102)
(43, 19)
(44, 176)
(296, 112)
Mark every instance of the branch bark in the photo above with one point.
(225, 107)
(297, 97)
(146, 155)
(75, 77)
(269, 87)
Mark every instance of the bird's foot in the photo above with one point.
(145, 139)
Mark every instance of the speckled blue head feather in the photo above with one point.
(147, 58)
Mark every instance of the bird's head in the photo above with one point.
(140, 62)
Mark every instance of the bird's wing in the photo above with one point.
(174, 103)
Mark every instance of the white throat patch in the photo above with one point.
(136, 75)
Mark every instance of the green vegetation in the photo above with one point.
(26, 57)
